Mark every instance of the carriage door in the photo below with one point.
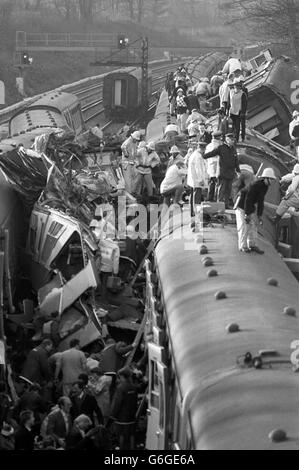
(156, 438)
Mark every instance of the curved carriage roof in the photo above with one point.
(231, 407)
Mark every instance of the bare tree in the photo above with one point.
(267, 19)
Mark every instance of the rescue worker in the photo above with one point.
(238, 109)
(181, 109)
(243, 228)
(291, 199)
(231, 65)
(146, 160)
(129, 149)
(195, 116)
(193, 128)
(197, 178)
(254, 207)
(174, 152)
(224, 91)
(213, 166)
(294, 132)
(228, 165)
(172, 186)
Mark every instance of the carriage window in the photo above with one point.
(70, 260)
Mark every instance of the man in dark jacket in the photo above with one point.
(24, 439)
(254, 206)
(228, 166)
(124, 408)
(36, 368)
(192, 101)
(59, 421)
(84, 403)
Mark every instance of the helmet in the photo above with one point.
(136, 135)
(180, 90)
(296, 169)
(206, 80)
(241, 78)
(174, 149)
(247, 168)
(269, 173)
(295, 114)
(151, 146)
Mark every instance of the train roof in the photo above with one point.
(230, 407)
(56, 99)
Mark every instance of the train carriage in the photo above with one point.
(53, 110)
(122, 93)
(202, 392)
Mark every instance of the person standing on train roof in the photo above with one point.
(146, 160)
(294, 132)
(243, 228)
(213, 165)
(204, 135)
(181, 109)
(238, 109)
(231, 65)
(228, 166)
(172, 186)
(291, 199)
(197, 178)
(129, 150)
(224, 92)
(254, 207)
(192, 101)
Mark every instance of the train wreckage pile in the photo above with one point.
(78, 267)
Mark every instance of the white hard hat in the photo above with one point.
(241, 78)
(174, 149)
(136, 135)
(247, 168)
(237, 81)
(180, 90)
(151, 146)
(206, 80)
(296, 169)
(269, 173)
(295, 113)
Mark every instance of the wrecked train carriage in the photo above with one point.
(62, 256)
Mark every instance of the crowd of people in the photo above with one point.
(71, 401)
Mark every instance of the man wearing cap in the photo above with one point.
(129, 149)
(147, 158)
(254, 207)
(291, 199)
(237, 109)
(171, 131)
(213, 165)
(174, 153)
(197, 178)
(228, 166)
(172, 185)
(294, 131)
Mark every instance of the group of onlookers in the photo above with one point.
(72, 401)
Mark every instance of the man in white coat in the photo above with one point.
(213, 166)
(197, 178)
(129, 150)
